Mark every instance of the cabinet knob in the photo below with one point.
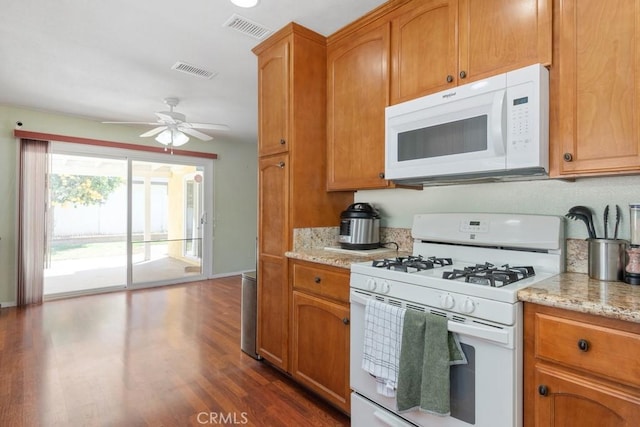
(317, 279)
(567, 157)
(543, 390)
(282, 141)
(463, 74)
(583, 345)
(381, 175)
(345, 320)
(449, 78)
(280, 165)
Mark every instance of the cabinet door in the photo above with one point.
(357, 94)
(496, 36)
(563, 399)
(273, 301)
(320, 347)
(273, 99)
(423, 49)
(598, 90)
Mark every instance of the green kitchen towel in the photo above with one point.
(428, 350)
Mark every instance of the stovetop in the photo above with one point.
(485, 274)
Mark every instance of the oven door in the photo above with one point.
(485, 392)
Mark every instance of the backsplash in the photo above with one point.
(321, 237)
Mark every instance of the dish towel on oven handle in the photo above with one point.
(428, 351)
(382, 340)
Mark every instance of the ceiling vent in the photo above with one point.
(247, 27)
(193, 70)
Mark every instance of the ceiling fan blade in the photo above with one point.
(130, 123)
(211, 126)
(153, 131)
(195, 133)
(166, 118)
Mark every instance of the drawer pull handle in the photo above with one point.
(583, 345)
(543, 390)
(317, 279)
(345, 320)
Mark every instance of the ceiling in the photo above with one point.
(111, 60)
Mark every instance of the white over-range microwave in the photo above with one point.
(491, 129)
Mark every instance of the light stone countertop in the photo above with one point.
(578, 292)
(338, 259)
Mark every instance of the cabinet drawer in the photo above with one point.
(320, 281)
(600, 350)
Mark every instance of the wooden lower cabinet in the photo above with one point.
(568, 400)
(580, 370)
(320, 332)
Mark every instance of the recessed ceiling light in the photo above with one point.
(245, 3)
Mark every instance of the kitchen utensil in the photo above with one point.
(607, 259)
(618, 218)
(634, 223)
(581, 217)
(606, 222)
(586, 212)
(359, 227)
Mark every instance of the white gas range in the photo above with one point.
(468, 268)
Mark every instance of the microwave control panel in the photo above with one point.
(523, 111)
(520, 112)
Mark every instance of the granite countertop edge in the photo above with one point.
(337, 259)
(578, 292)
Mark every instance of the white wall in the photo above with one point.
(235, 187)
(549, 197)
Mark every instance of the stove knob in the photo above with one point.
(447, 301)
(371, 284)
(385, 287)
(468, 306)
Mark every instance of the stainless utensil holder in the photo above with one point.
(607, 259)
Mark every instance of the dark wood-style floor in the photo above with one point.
(166, 356)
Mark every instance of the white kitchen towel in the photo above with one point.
(382, 341)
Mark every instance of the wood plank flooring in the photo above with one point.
(166, 356)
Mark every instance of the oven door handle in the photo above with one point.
(487, 333)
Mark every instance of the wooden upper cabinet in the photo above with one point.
(357, 94)
(496, 36)
(423, 48)
(595, 116)
(273, 98)
(437, 44)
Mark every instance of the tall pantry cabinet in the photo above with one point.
(292, 171)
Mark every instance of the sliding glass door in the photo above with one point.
(167, 221)
(126, 219)
(87, 224)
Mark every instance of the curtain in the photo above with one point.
(32, 201)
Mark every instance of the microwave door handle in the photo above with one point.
(498, 122)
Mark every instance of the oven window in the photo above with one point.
(463, 136)
(463, 387)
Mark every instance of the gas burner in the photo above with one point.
(412, 263)
(489, 275)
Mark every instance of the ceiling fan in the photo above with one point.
(173, 127)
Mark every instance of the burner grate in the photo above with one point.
(488, 275)
(412, 263)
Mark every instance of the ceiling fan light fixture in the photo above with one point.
(172, 137)
(245, 3)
